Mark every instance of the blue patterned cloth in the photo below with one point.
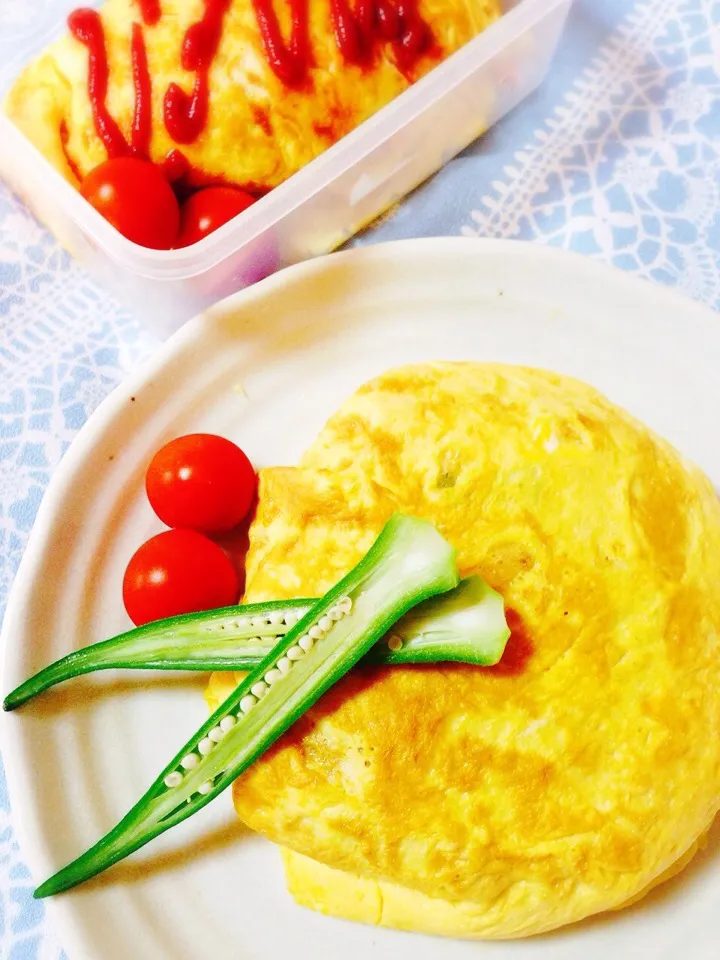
(618, 157)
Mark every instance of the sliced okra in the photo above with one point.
(408, 562)
(228, 638)
(466, 624)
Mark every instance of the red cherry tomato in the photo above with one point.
(207, 210)
(178, 571)
(201, 482)
(134, 196)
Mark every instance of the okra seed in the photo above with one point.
(291, 618)
(277, 616)
(335, 613)
(284, 665)
(255, 640)
(345, 604)
(173, 779)
(259, 621)
(227, 723)
(205, 746)
(395, 642)
(243, 623)
(247, 703)
(306, 643)
(272, 676)
(216, 734)
(325, 623)
(295, 653)
(316, 632)
(259, 689)
(206, 787)
(189, 761)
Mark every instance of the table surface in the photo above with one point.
(617, 157)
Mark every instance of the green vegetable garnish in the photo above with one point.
(466, 624)
(408, 562)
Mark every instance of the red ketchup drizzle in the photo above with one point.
(142, 115)
(350, 37)
(261, 118)
(414, 38)
(174, 165)
(86, 26)
(149, 11)
(185, 114)
(356, 32)
(387, 20)
(288, 61)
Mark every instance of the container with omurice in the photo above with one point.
(184, 150)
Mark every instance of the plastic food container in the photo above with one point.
(319, 207)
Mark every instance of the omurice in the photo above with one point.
(238, 94)
(580, 771)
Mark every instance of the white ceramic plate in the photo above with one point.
(266, 368)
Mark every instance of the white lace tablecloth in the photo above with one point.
(618, 157)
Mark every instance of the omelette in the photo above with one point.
(585, 767)
(286, 80)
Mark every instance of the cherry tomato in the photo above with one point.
(134, 196)
(177, 571)
(201, 482)
(207, 210)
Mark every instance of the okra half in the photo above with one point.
(466, 624)
(409, 562)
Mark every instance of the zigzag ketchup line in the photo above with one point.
(86, 26)
(142, 116)
(185, 114)
(357, 31)
(150, 11)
